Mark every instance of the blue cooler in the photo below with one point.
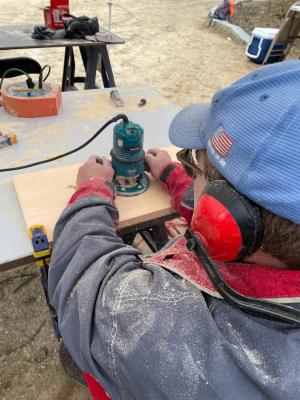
(259, 44)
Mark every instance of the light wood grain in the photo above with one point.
(44, 194)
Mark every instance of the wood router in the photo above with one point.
(21, 101)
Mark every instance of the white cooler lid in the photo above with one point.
(296, 6)
(266, 33)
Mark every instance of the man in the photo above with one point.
(145, 328)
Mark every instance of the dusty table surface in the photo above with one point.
(81, 115)
(19, 37)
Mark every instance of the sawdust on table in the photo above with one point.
(99, 105)
(22, 161)
(168, 47)
(11, 126)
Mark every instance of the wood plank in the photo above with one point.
(44, 194)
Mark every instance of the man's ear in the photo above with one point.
(200, 183)
(229, 225)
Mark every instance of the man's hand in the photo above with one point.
(95, 167)
(157, 160)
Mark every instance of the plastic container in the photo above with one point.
(53, 14)
(259, 44)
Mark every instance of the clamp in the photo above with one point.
(40, 244)
(42, 254)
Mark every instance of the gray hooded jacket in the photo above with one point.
(148, 334)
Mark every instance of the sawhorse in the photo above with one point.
(94, 58)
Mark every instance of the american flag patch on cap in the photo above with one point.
(221, 142)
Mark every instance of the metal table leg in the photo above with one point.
(90, 67)
(69, 70)
(155, 237)
(106, 70)
(94, 58)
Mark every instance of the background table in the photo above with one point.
(82, 114)
(19, 37)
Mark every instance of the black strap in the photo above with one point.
(166, 172)
(263, 307)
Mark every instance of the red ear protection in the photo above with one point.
(229, 225)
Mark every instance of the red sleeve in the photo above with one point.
(93, 186)
(96, 390)
(177, 183)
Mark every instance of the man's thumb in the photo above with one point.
(149, 157)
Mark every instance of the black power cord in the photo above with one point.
(114, 119)
(262, 307)
(29, 81)
(41, 75)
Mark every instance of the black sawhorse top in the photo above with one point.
(94, 54)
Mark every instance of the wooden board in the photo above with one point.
(44, 194)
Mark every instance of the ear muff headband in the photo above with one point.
(229, 225)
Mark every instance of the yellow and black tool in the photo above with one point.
(42, 254)
(40, 244)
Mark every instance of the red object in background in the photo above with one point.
(32, 107)
(54, 13)
(231, 8)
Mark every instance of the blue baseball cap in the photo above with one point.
(251, 131)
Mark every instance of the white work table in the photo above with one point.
(81, 115)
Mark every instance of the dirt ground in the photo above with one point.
(266, 14)
(169, 47)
